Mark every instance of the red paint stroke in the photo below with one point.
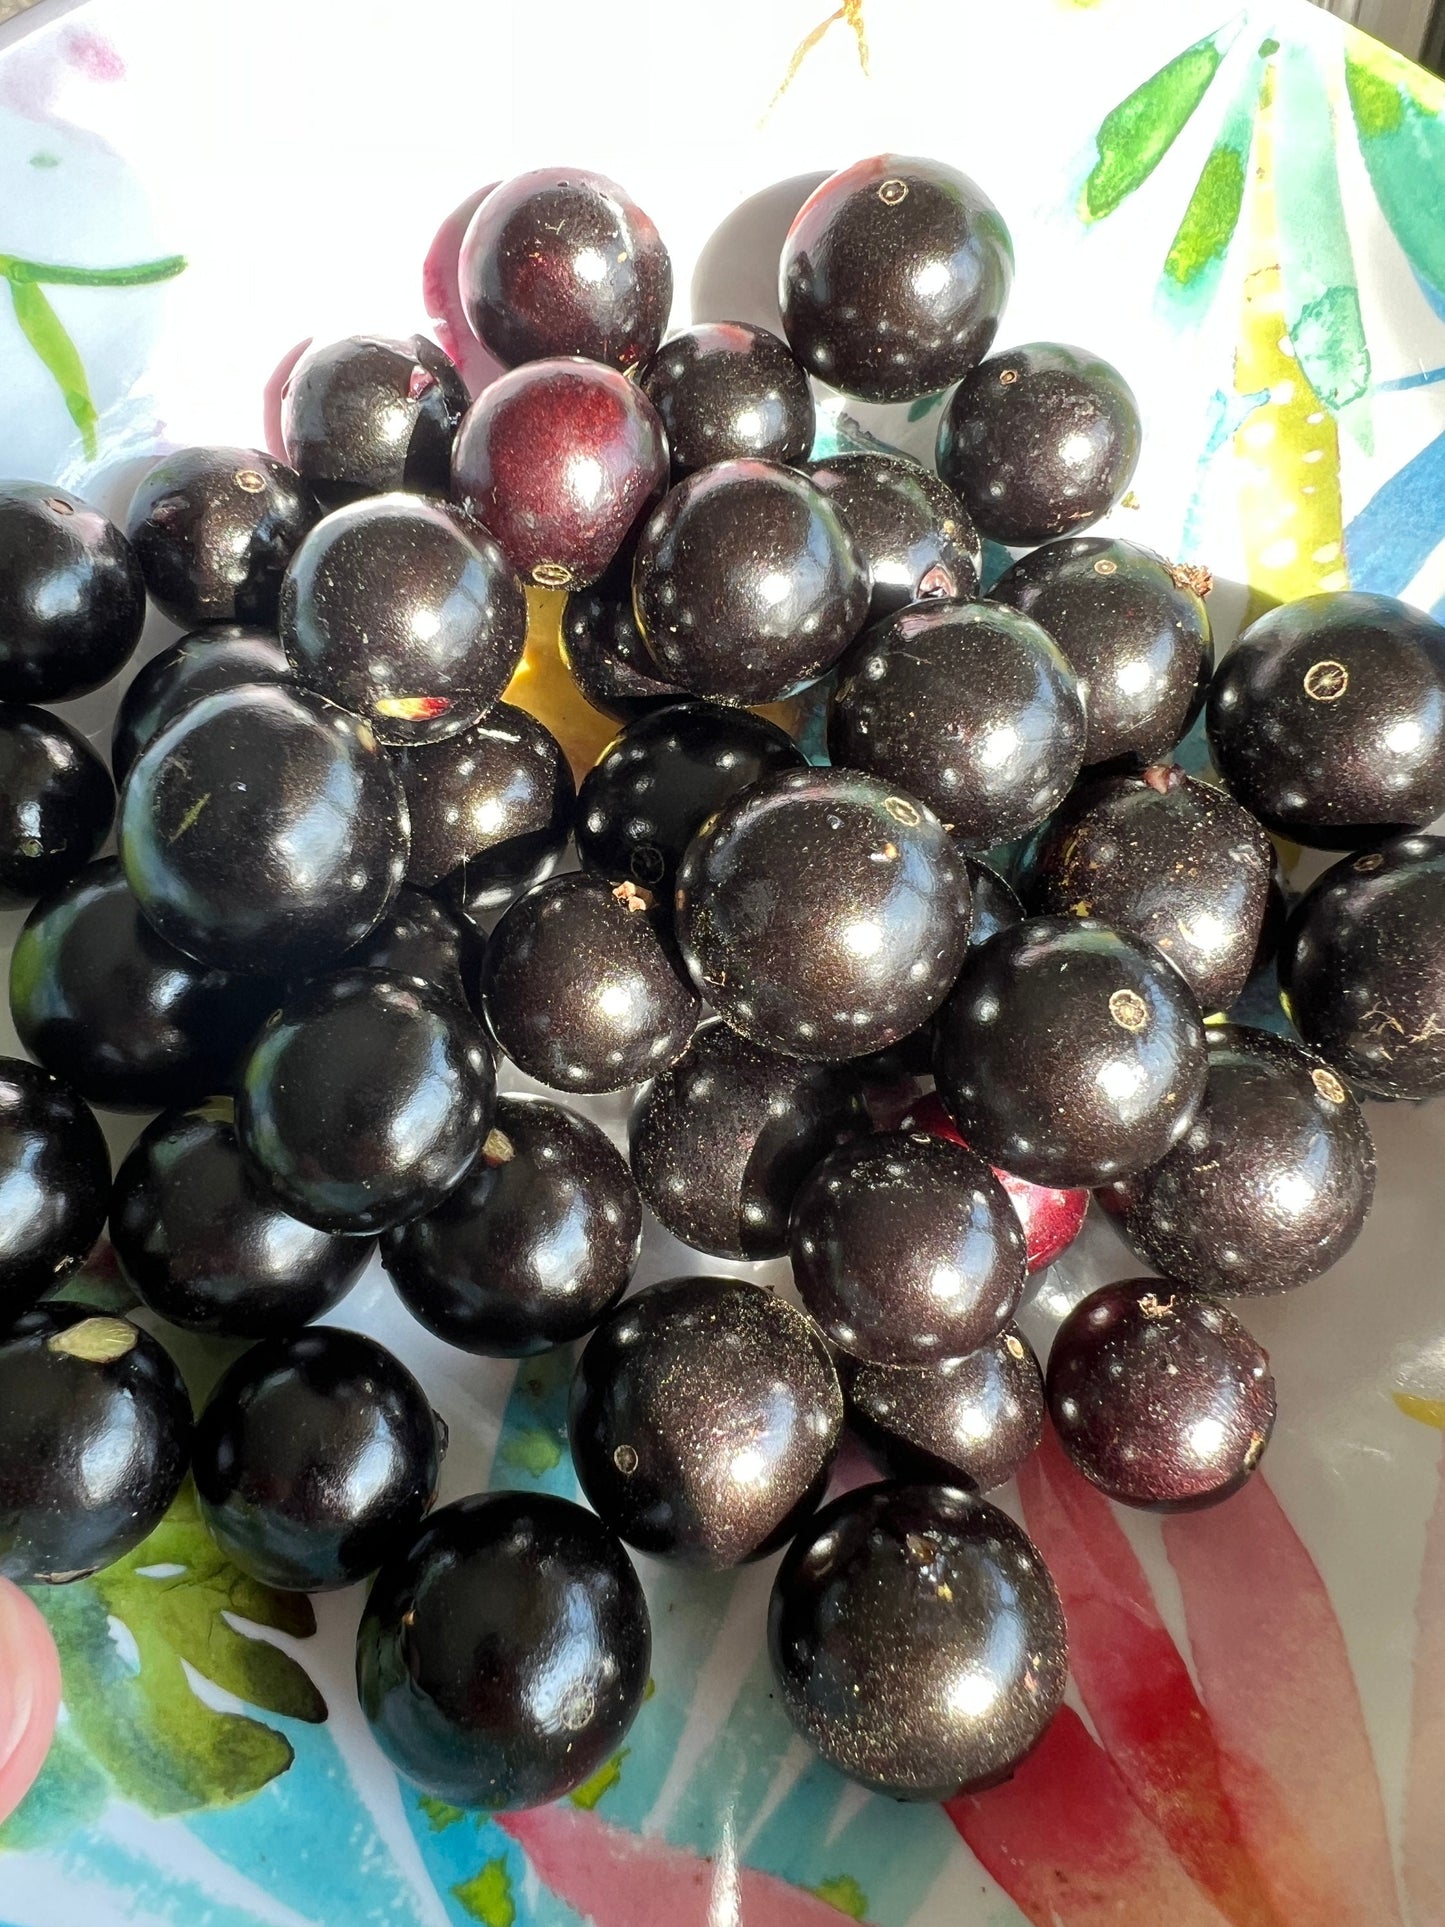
(479, 367)
(618, 1879)
(1276, 1679)
(29, 1695)
(1070, 1848)
(91, 54)
(1423, 1852)
(1136, 1687)
(274, 394)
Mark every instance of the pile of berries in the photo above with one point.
(339, 902)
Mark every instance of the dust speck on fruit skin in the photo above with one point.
(1163, 1404)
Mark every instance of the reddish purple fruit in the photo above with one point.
(1161, 1399)
(560, 459)
(564, 262)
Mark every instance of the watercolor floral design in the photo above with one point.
(46, 333)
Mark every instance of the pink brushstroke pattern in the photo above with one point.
(1066, 1842)
(274, 394)
(91, 54)
(1136, 1686)
(443, 299)
(618, 1879)
(1294, 1753)
(29, 1695)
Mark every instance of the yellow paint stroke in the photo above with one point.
(849, 14)
(1429, 1411)
(1287, 449)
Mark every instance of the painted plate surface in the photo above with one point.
(1245, 209)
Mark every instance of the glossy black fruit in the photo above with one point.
(214, 529)
(95, 1434)
(562, 261)
(264, 830)
(601, 645)
(316, 1458)
(705, 1413)
(1168, 860)
(490, 809)
(368, 414)
(1069, 1053)
(726, 389)
(1135, 630)
(1362, 964)
(504, 1654)
(537, 1241)
(582, 986)
(203, 1241)
(893, 277)
(967, 706)
(419, 937)
(1161, 1399)
(365, 1099)
(405, 612)
(905, 1249)
(1272, 1182)
(201, 664)
(656, 784)
(112, 1008)
(969, 1422)
(72, 598)
(746, 585)
(560, 460)
(823, 913)
(1327, 719)
(917, 1640)
(1039, 441)
(721, 1142)
(56, 803)
(911, 531)
(54, 1184)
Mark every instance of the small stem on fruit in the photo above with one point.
(1163, 777)
(631, 898)
(1191, 575)
(498, 1148)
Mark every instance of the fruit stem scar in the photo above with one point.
(250, 480)
(1128, 1010)
(552, 575)
(892, 192)
(1191, 575)
(1326, 681)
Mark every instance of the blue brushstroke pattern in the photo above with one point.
(1399, 528)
